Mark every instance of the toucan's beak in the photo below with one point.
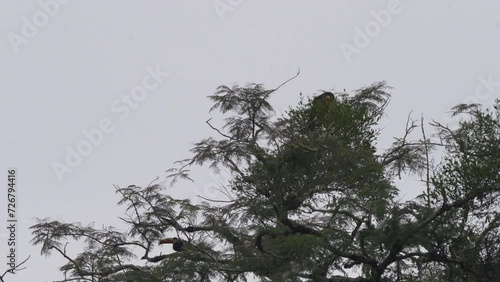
(167, 241)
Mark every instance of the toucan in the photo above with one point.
(327, 97)
(177, 244)
(320, 104)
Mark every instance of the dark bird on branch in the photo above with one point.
(326, 97)
(177, 244)
(319, 105)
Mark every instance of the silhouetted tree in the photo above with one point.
(309, 203)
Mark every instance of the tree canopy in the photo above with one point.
(311, 198)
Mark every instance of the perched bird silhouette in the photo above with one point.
(327, 97)
(177, 244)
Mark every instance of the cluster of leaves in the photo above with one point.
(309, 200)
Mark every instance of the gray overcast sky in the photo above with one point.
(65, 65)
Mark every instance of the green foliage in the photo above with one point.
(309, 200)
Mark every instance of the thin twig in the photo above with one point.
(218, 131)
(14, 268)
(290, 79)
(427, 162)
